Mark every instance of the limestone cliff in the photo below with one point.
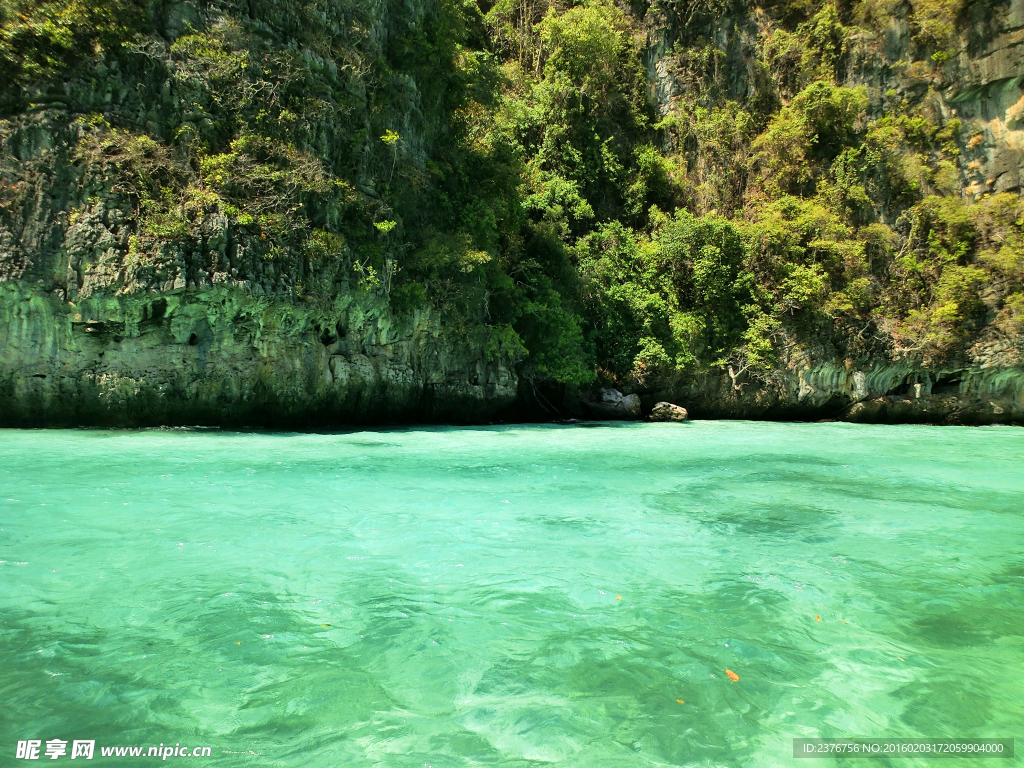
(292, 214)
(221, 356)
(137, 289)
(978, 79)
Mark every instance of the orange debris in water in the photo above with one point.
(817, 618)
(732, 675)
(618, 597)
(238, 643)
(680, 701)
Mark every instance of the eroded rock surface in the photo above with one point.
(668, 412)
(110, 317)
(224, 357)
(612, 404)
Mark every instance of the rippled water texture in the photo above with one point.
(451, 597)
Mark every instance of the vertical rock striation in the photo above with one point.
(221, 356)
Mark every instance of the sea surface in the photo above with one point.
(560, 595)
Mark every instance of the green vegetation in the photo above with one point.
(505, 163)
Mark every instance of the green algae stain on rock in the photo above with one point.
(222, 357)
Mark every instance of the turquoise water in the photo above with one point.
(451, 597)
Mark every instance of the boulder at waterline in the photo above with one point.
(668, 412)
(612, 404)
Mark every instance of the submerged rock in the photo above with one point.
(668, 412)
(612, 404)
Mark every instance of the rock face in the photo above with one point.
(612, 404)
(136, 289)
(981, 85)
(102, 322)
(223, 357)
(987, 93)
(668, 412)
(869, 392)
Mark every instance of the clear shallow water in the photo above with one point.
(449, 597)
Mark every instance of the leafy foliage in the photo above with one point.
(506, 163)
